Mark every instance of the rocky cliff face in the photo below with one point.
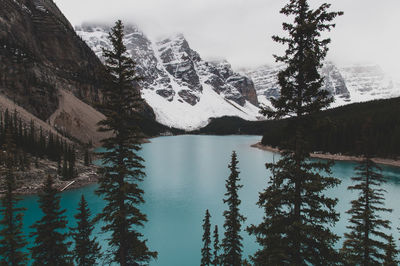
(346, 84)
(41, 53)
(368, 82)
(179, 85)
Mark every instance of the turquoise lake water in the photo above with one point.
(186, 175)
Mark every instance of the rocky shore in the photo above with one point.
(335, 157)
(31, 181)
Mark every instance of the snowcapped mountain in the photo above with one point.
(368, 82)
(184, 90)
(355, 83)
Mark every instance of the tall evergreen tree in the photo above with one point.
(298, 214)
(87, 250)
(122, 169)
(232, 241)
(50, 245)
(12, 240)
(64, 171)
(206, 250)
(391, 253)
(269, 233)
(86, 158)
(216, 256)
(366, 243)
(300, 81)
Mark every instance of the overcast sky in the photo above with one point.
(241, 30)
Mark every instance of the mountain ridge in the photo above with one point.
(186, 91)
(347, 84)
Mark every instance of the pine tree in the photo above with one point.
(64, 171)
(86, 157)
(269, 232)
(86, 251)
(12, 240)
(206, 250)
(31, 138)
(50, 245)
(71, 170)
(300, 81)
(216, 257)
(122, 169)
(298, 214)
(71, 163)
(41, 144)
(232, 241)
(391, 253)
(366, 243)
(246, 263)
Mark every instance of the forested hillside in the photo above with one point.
(33, 142)
(338, 130)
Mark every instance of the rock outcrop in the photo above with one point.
(354, 83)
(174, 78)
(41, 53)
(42, 58)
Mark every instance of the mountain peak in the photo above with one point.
(348, 84)
(184, 90)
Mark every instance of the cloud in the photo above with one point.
(241, 30)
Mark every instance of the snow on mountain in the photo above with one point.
(368, 82)
(183, 90)
(355, 83)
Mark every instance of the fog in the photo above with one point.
(240, 30)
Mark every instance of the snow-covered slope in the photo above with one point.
(183, 90)
(368, 82)
(355, 83)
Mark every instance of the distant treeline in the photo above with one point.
(152, 128)
(339, 130)
(29, 139)
(335, 130)
(232, 125)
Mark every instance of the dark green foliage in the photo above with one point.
(291, 222)
(29, 139)
(335, 130)
(50, 245)
(64, 171)
(68, 169)
(229, 125)
(366, 243)
(152, 128)
(216, 257)
(391, 253)
(86, 250)
(122, 169)
(298, 216)
(300, 81)
(270, 232)
(86, 159)
(338, 130)
(246, 263)
(71, 164)
(206, 250)
(12, 240)
(232, 241)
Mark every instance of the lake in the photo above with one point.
(186, 175)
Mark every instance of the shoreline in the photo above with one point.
(30, 184)
(85, 178)
(335, 157)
